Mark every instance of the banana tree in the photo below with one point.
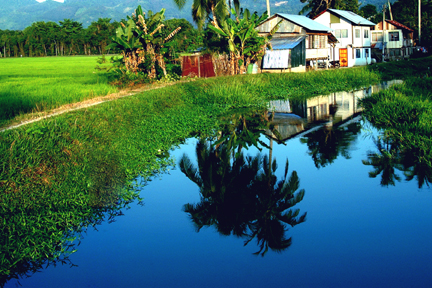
(127, 41)
(143, 42)
(244, 42)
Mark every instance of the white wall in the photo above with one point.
(351, 42)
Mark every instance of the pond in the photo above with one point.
(340, 209)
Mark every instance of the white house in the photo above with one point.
(297, 41)
(353, 33)
(397, 41)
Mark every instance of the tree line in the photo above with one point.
(69, 37)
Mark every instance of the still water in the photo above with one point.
(361, 222)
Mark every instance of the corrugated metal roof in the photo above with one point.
(284, 43)
(351, 16)
(397, 24)
(305, 22)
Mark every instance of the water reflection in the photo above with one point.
(391, 158)
(241, 195)
(385, 161)
(322, 111)
(326, 144)
(326, 124)
(242, 128)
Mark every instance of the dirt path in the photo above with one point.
(38, 116)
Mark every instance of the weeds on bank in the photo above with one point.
(61, 175)
(403, 112)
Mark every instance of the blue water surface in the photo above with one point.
(357, 233)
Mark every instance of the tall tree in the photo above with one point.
(315, 7)
(202, 9)
(406, 12)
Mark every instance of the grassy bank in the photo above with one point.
(64, 173)
(404, 113)
(38, 84)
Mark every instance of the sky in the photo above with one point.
(60, 1)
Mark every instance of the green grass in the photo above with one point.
(67, 172)
(38, 84)
(404, 113)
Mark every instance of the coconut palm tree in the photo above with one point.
(202, 9)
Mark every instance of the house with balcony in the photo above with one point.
(353, 33)
(297, 42)
(392, 39)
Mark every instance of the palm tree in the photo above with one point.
(202, 9)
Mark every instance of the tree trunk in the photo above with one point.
(232, 63)
(162, 63)
(214, 17)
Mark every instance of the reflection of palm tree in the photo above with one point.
(385, 161)
(416, 169)
(220, 185)
(243, 198)
(272, 203)
(244, 127)
(421, 171)
(326, 144)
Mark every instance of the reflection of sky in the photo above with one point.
(357, 234)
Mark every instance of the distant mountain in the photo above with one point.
(18, 14)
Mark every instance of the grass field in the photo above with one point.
(38, 84)
(62, 173)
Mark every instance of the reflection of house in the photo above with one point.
(397, 40)
(353, 33)
(297, 40)
(287, 125)
(333, 109)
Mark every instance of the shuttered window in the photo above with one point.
(316, 41)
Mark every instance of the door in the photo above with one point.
(343, 57)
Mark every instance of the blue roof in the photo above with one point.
(285, 43)
(305, 22)
(351, 16)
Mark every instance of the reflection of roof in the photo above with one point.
(288, 42)
(377, 45)
(397, 24)
(354, 18)
(305, 22)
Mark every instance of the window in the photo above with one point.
(377, 37)
(358, 53)
(316, 41)
(366, 53)
(366, 34)
(393, 36)
(357, 33)
(341, 33)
